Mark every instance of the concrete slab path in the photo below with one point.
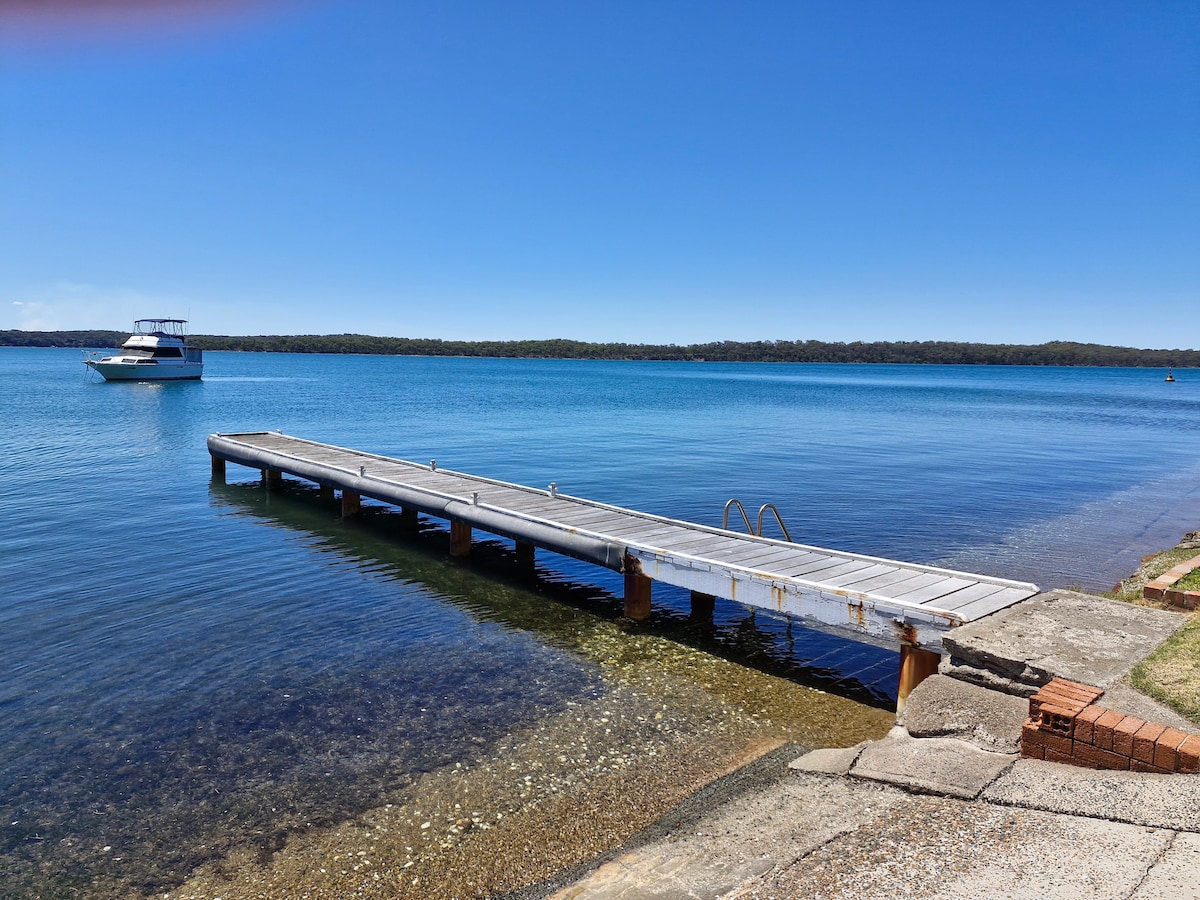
(820, 836)
(942, 807)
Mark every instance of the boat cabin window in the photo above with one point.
(167, 352)
(140, 354)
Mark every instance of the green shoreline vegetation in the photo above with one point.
(1054, 353)
(1171, 674)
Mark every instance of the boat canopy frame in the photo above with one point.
(165, 327)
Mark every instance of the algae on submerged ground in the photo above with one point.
(557, 794)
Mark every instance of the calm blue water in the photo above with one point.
(179, 656)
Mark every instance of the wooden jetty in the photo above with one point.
(866, 598)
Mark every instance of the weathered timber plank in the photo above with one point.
(318, 455)
(325, 459)
(931, 593)
(641, 531)
(542, 507)
(396, 472)
(734, 550)
(447, 484)
(811, 570)
(969, 594)
(882, 584)
(768, 560)
(845, 567)
(803, 559)
(992, 603)
(920, 580)
(684, 541)
(855, 578)
(416, 478)
(593, 519)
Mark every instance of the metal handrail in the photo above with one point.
(778, 518)
(742, 510)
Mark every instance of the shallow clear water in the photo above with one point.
(186, 663)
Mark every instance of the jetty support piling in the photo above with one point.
(460, 538)
(526, 555)
(410, 522)
(638, 589)
(327, 492)
(915, 666)
(218, 469)
(703, 606)
(870, 599)
(273, 479)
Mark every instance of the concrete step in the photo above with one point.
(1063, 634)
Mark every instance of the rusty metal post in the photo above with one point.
(637, 590)
(218, 469)
(273, 479)
(702, 606)
(460, 539)
(351, 503)
(915, 666)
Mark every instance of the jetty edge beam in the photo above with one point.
(865, 598)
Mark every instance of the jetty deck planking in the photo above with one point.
(855, 578)
(872, 599)
(941, 591)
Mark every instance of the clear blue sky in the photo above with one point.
(651, 171)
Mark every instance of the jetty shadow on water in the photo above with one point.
(491, 586)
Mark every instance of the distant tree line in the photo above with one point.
(1055, 353)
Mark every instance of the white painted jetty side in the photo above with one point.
(864, 597)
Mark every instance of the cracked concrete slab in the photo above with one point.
(1176, 874)
(828, 761)
(1157, 801)
(945, 766)
(938, 847)
(1066, 634)
(710, 855)
(947, 707)
(809, 835)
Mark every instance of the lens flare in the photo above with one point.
(53, 21)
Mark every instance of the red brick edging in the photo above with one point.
(1065, 725)
(1163, 587)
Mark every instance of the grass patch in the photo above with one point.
(1171, 674)
(1189, 583)
(1130, 590)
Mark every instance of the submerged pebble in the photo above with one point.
(570, 801)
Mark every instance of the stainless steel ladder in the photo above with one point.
(745, 518)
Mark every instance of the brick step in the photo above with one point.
(1067, 725)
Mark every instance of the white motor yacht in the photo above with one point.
(156, 351)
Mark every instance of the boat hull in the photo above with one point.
(117, 371)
